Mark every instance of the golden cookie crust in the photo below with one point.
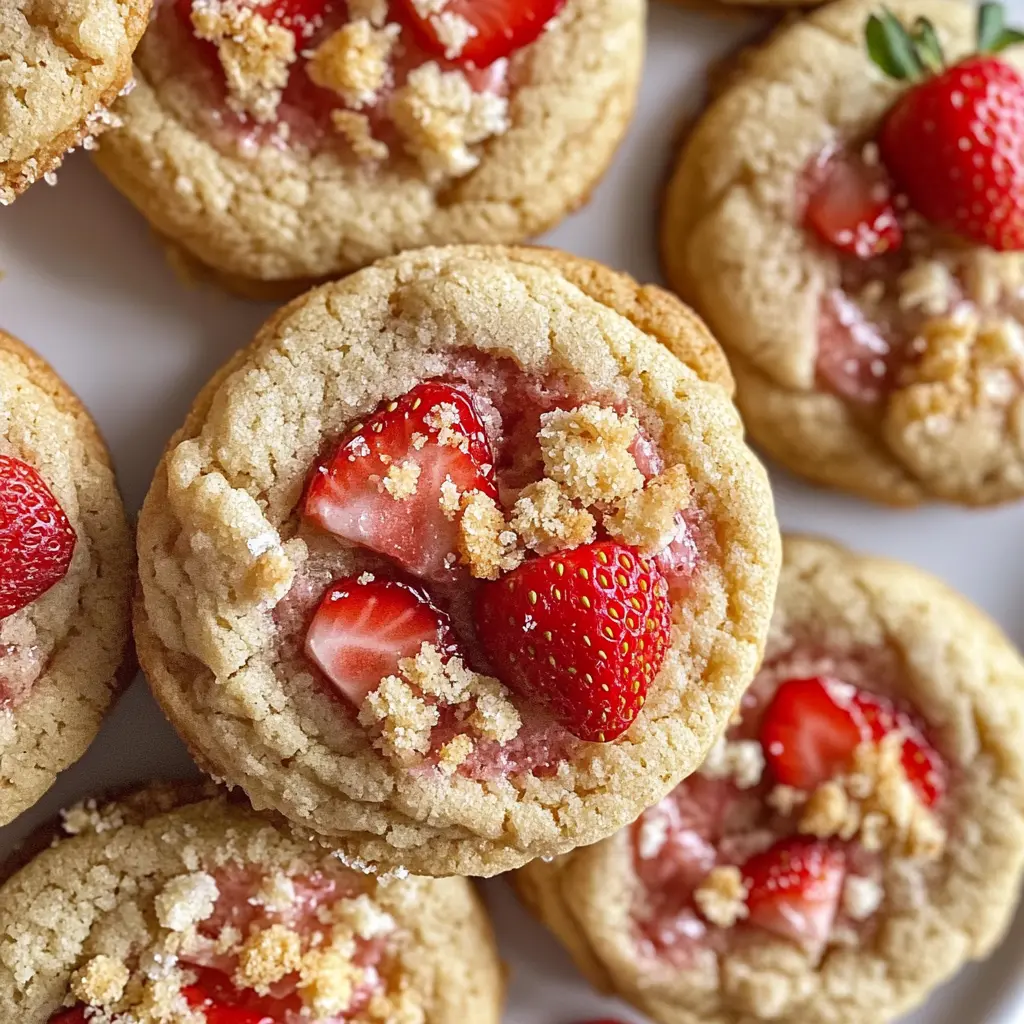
(98, 887)
(64, 64)
(965, 675)
(80, 627)
(272, 226)
(332, 356)
(732, 245)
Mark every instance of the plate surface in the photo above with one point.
(85, 284)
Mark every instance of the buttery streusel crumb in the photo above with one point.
(454, 753)
(329, 979)
(186, 900)
(401, 480)
(721, 897)
(354, 61)
(454, 31)
(100, 981)
(649, 519)
(741, 761)
(588, 451)
(356, 130)
(374, 11)
(404, 718)
(485, 542)
(546, 519)
(451, 498)
(268, 956)
(862, 896)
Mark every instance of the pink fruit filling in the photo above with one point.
(20, 666)
(805, 715)
(353, 609)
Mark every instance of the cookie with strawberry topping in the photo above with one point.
(64, 64)
(277, 144)
(65, 566)
(457, 565)
(852, 840)
(175, 906)
(847, 216)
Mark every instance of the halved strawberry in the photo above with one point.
(851, 207)
(812, 727)
(37, 542)
(499, 27)
(361, 631)
(793, 889)
(433, 431)
(584, 631)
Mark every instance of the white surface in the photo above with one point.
(84, 284)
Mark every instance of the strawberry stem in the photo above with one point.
(927, 45)
(993, 35)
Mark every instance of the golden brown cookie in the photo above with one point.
(64, 630)
(63, 64)
(169, 904)
(898, 377)
(856, 836)
(278, 153)
(569, 432)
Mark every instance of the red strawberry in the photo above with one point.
(361, 631)
(500, 27)
(954, 141)
(812, 727)
(75, 1016)
(793, 889)
(222, 1003)
(36, 540)
(584, 631)
(437, 429)
(850, 207)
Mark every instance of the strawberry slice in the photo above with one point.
(499, 27)
(424, 439)
(851, 207)
(584, 631)
(793, 889)
(813, 726)
(361, 631)
(37, 542)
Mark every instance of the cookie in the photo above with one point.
(65, 565)
(856, 836)
(892, 376)
(276, 153)
(63, 65)
(170, 906)
(356, 553)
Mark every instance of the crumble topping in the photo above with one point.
(186, 900)
(649, 519)
(440, 116)
(740, 761)
(354, 62)
(374, 11)
(100, 982)
(861, 897)
(404, 718)
(587, 451)
(356, 130)
(256, 55)
(485, 542)
(722, 896)
(451, 498)
(546, 519)
(454, 31)
(653, 835)
(401, 480)
(329, 981)
(426, 8)
(87, 816)
(268, 956)
(455, 753)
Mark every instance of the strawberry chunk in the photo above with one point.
(583, 631)
(793, 889)
(73, 1016)
(812, 727)
(221, 1003)
(382, 487)
(499, 27)
(361, 631)
(37, 542)
(851, 207)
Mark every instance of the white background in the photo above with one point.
(85, 284)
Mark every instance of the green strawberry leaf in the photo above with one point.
(993, 35)
(927, 45)
(891, 47)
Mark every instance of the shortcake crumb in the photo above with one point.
(495, 716)
(454, 31)
(328, 981)
(268, 956)
(721, 897)
(451, 498)
(741, 761)
(546, 519)
(454, 753)
(354, 62)
(365, 917)
(277, 891)
(186, 900)
(356, 130)
(402, 479)
(100, 981)
(587, 451)
(861, 897)
(485, 542)
(649, 519)
(404, 718)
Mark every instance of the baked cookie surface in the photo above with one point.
(278, 161)
(63, 64)
(62, 652)
(446, 771)
(169, 904)
(890, 855)
(898, 377)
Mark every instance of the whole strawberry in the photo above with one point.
(582, 631)
(954, 141)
